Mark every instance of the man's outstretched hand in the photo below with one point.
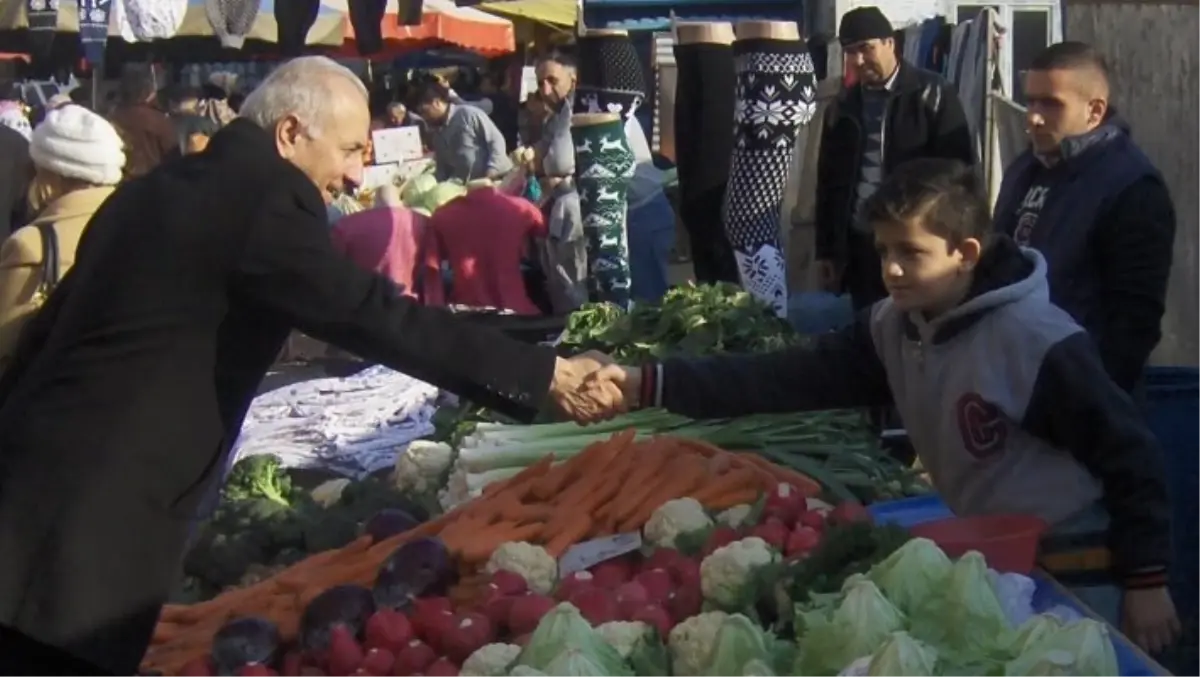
(583, 400)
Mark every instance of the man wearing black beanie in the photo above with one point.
(894, 113)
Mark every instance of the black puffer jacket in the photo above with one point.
(924, 119)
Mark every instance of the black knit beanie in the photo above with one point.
(862, 24)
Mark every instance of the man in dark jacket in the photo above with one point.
(128, 389)
(15, 172)
(1088, 198)
(896, 112)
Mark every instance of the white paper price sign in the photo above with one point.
(590, 553)
(396, 145)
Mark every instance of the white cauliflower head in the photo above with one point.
(691, 642)
(531, 562)
(675, 517)
(623, 635)
(490, 660)
(736, 516)
(725, 573)
(329, 492)
(421, 465)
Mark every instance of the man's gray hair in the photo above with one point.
(299, 87)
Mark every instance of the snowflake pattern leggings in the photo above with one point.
(776, 95)
(603, 168)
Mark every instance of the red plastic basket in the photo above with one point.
(1008, 542)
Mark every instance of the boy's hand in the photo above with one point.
(1148, 618)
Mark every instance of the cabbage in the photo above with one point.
(861, 623)
(441, 194)
(902, 655)
(912, 574)
(757, 668)
(1033, 631)
(739, 641)
(966, 616)
(525, 671)
(416, 187)
(574, 662)
(564, 631)
(1080, 648)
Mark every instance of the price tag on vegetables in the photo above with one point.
(590, 553)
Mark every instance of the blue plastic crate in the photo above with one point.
(909, 512)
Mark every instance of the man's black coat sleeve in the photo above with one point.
(1134, 243)
(842, 370)
(1076, 407)
(951, 135)
(289, 265)
(829, 242)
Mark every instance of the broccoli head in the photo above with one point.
(259, 476)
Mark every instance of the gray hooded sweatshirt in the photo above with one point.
(1004, 399)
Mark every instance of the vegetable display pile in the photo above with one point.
(836, 448)
(715, 589)
(690, 320)
(263, 524)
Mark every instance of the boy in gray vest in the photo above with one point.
(1003, 395)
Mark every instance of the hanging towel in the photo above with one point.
(93, 28)
(366, 16)
(295, 18)
(43, 23)
(231, 20)
(146, 20)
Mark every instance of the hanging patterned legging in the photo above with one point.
(42, 16)
(776, 94)
(703, 142)
(610, 78)
(603, 167)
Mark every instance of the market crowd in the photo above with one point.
(162, 250)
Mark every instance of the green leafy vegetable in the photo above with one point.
(259, 476)
(903, 656)
(863, 621)
(912, 574)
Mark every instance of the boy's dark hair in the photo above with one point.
(945, 195)
(196, 124)
(1069, 56)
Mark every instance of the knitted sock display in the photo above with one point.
(146, 20)
(43, 23)
(603, 167)
(703, 144)
(294, 19)
(93, 28)
(231, 20)
(776, 94)
(610, 77)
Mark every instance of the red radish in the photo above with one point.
(471, 631)
(442, 667)
(431, 616)
(631, 591)
(527, 612)
(255, 670)
(686, 572)
(655, 616)
(387, 629)
(801, 541)
(596, 605)
(197, 667)
(719, 537)
(658, 584)
(848, 512)
(509, 583)
(344, 655)
(310, 671)
(773, 532)
(292, 663)
(612, 572)
(812, 519)
(414, 658)
(569, 585)
(662, 558)
(685, 602)
(785, 503)
(362, 672)
(434, 627)
(497, 610)
(378, 662)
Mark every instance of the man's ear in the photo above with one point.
(1097, 110)
(970, 249)
(286, 134)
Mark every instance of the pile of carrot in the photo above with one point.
(611, 487)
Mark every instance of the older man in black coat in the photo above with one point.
(15, 172)
(129, 388)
